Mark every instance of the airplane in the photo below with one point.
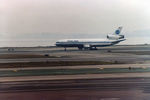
(91, 44)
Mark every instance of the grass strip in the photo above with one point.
(42, 72)
(54, 63)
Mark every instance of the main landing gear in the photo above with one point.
(87, 48)
(65, 48)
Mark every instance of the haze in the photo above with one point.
(43, 22)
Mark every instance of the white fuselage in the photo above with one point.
(82, 43)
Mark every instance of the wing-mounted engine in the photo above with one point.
(115, 37)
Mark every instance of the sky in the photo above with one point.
(43, 22)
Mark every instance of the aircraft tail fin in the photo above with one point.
(116, 35)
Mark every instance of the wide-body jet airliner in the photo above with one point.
(91, 44)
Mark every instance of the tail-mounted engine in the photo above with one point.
(115, 37)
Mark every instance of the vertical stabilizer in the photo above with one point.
(116, 35)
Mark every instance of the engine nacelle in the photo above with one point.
(114, 37)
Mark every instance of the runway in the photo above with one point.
(50, 73)
(124, 54)
(81, 89)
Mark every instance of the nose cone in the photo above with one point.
(57, 43)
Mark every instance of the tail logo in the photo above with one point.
(117, 32)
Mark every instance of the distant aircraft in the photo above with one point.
(91, 44)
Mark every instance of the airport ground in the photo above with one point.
(50, 73)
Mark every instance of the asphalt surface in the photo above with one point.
(126, 54)
(83, 89)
